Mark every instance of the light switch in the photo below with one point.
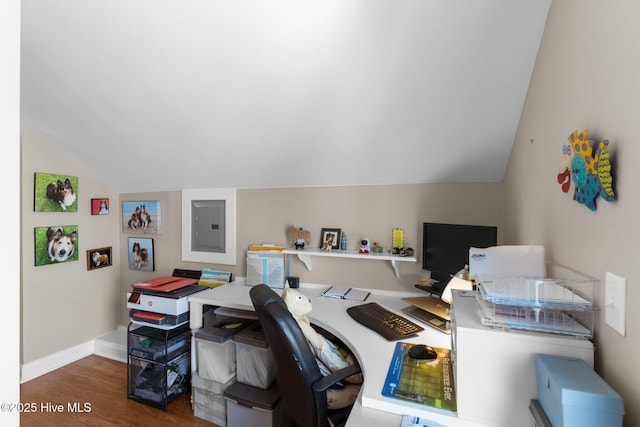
(615, 300)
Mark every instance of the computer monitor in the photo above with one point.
(445, 247)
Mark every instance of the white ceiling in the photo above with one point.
(160, 95)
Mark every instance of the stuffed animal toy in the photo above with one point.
(330, 358)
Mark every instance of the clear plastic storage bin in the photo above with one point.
(216, 351)
(254, 358)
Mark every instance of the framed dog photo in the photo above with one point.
(141, 217)
(55, 193)
(55, 244)
(100, 206)
(141, 254)
(330, 238)
(98, 258)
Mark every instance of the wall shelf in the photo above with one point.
(306, 255)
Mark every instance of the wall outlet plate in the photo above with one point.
(615, 299)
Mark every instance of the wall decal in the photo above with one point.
(586, 163)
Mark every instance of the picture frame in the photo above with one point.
(55, 193)
(332, 234)
(141, 217)
(55, 244)
(99, 258)
(141, 254)
(100, 206)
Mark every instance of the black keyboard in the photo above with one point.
(391, 326)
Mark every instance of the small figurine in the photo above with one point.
(298, 237)
(377, 249)
(365, 245)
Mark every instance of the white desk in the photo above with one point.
(373, 352)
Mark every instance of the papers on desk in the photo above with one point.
(343, 292)
(428, 383)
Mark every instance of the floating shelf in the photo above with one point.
(306, 255)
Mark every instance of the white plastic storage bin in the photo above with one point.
(208, 399)
(254, 358)
(572, 394)
(216, 351)
(252, 406)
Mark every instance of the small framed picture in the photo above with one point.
(98, 258)
(99, 206)
(141, 254)
(330, 238)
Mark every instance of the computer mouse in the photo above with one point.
(422, 352)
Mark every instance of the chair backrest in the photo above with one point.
(295, 364)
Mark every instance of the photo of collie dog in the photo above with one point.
(62, 193)
(61, 244)
(55, 193)
(56, 244)
(141, 254)
(99, 259)
(141, 217)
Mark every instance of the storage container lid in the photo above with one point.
(252, 335)
(224, 329)
(579, 384)
(253, 397)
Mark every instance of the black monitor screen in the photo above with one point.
(445, 247)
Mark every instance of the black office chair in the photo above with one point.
(302, 387)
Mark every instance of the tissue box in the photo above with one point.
(572, 394)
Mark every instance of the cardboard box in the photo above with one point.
(572, 394)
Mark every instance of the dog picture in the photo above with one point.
(141, 254)
(55, 193)
(56, 244)
(61, 245)
(98, 258)
(141, 217)
(62, 193)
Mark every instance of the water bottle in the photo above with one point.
(343, 242)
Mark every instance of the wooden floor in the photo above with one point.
(102, 383)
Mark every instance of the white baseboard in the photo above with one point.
(54, 361)
(112, 345)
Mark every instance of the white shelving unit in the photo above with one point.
(306, 255)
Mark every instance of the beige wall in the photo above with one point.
(586, 77)
(263, 215)
(64, 305)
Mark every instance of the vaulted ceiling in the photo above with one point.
(160, 95)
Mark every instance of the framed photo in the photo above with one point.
(141, 254)
(330, 238)
(55, 244)
(55, 193)
(99, 206)
(141, 217)
(98, 258)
